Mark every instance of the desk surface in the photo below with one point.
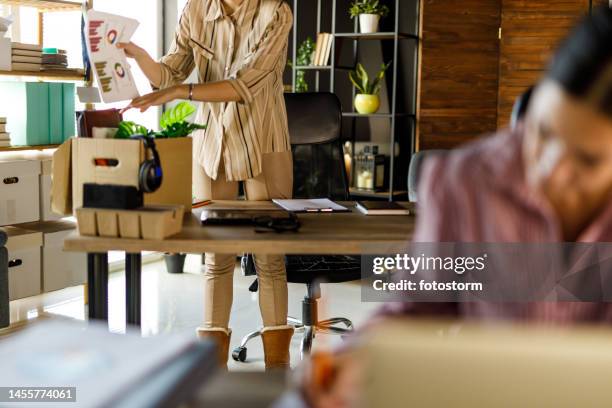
(336, 233)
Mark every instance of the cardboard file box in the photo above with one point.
(154, 222)
(27, 112)
(60, 269)
(5, 54)
(45, 192)
(19, 191)
(24, 262)
(75, 160)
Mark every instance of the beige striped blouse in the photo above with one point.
(248, 48)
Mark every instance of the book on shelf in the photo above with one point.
(28, 60)
(28, 47)
(5, 143)
(2, 128)
(2, 120)
(318, 48)
(52, 51)
(54, 59)
(24, 66)
(26, 53)
(5, 136)
(327, 46)
(381, 208)
(322, 49)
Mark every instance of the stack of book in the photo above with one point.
(54, 59)
(322, 49)
(26, 57)
(5, 137)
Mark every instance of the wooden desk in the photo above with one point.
(335, 233)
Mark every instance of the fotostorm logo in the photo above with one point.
(414, 264)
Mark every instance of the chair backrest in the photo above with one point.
(520, 107)
(318, 161)
(414, 171)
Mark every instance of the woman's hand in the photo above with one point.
(132, 50)
(155, 99)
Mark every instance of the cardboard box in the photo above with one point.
(27, 112)
(24, 262)
(45, 192)
(59, 269)
(19, 191)
(175, 156)
(152, 222)
(5, 54)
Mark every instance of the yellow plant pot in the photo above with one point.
(367, 104)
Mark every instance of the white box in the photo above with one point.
(24, 262)
(61, 269)
(45, 192)
(5, 54)
(19, 191)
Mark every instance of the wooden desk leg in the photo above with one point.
(97, 285)
(133, 268)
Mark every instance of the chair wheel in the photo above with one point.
(239, 354)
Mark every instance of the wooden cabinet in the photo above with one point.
(459, 71)
(531, 30)
(478, 56)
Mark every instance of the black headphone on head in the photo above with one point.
(150, 175)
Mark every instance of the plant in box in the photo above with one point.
(173, 123)
(367, 100)
(369, 13)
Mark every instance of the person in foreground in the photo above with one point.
(239, 50)
(549, 180)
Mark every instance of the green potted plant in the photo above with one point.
(369, 13)
(173, 123)
(303, 59)
(367, 100)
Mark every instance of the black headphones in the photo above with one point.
(520, 107)
(150, 175)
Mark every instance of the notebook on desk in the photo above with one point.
(381, 208)
(313, 205)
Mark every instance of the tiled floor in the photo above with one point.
(173, 303)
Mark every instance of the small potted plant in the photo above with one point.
(367, 100)
(369, 13)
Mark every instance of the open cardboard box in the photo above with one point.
(74, 165)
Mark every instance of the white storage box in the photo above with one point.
(61, 269)
(24, 262)
(45, 192)
(5, 53)
(19, 191)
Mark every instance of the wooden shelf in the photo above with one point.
(46, 5)
(373, 115)
(376, 36)
(76, 75)
(375, 194)
(24, 148)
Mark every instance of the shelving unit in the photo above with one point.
(26, 148)
(397, 174)
(76, 75)
(45, 5)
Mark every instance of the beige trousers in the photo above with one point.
(275, 181)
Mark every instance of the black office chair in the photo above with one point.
(319, 171)
(4, 291)
(520, 107)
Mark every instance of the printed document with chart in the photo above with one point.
(109, 64)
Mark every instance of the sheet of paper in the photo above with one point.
(314, 205)
(109, 64)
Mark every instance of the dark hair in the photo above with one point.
(583, 64)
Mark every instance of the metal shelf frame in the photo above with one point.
(395, 36)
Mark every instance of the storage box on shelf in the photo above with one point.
(59, 269)
(24, 256)
(19, 191)
(45, 192)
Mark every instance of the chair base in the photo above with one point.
(309, 326)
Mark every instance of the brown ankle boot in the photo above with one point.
(221, 337)
(276, 341)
